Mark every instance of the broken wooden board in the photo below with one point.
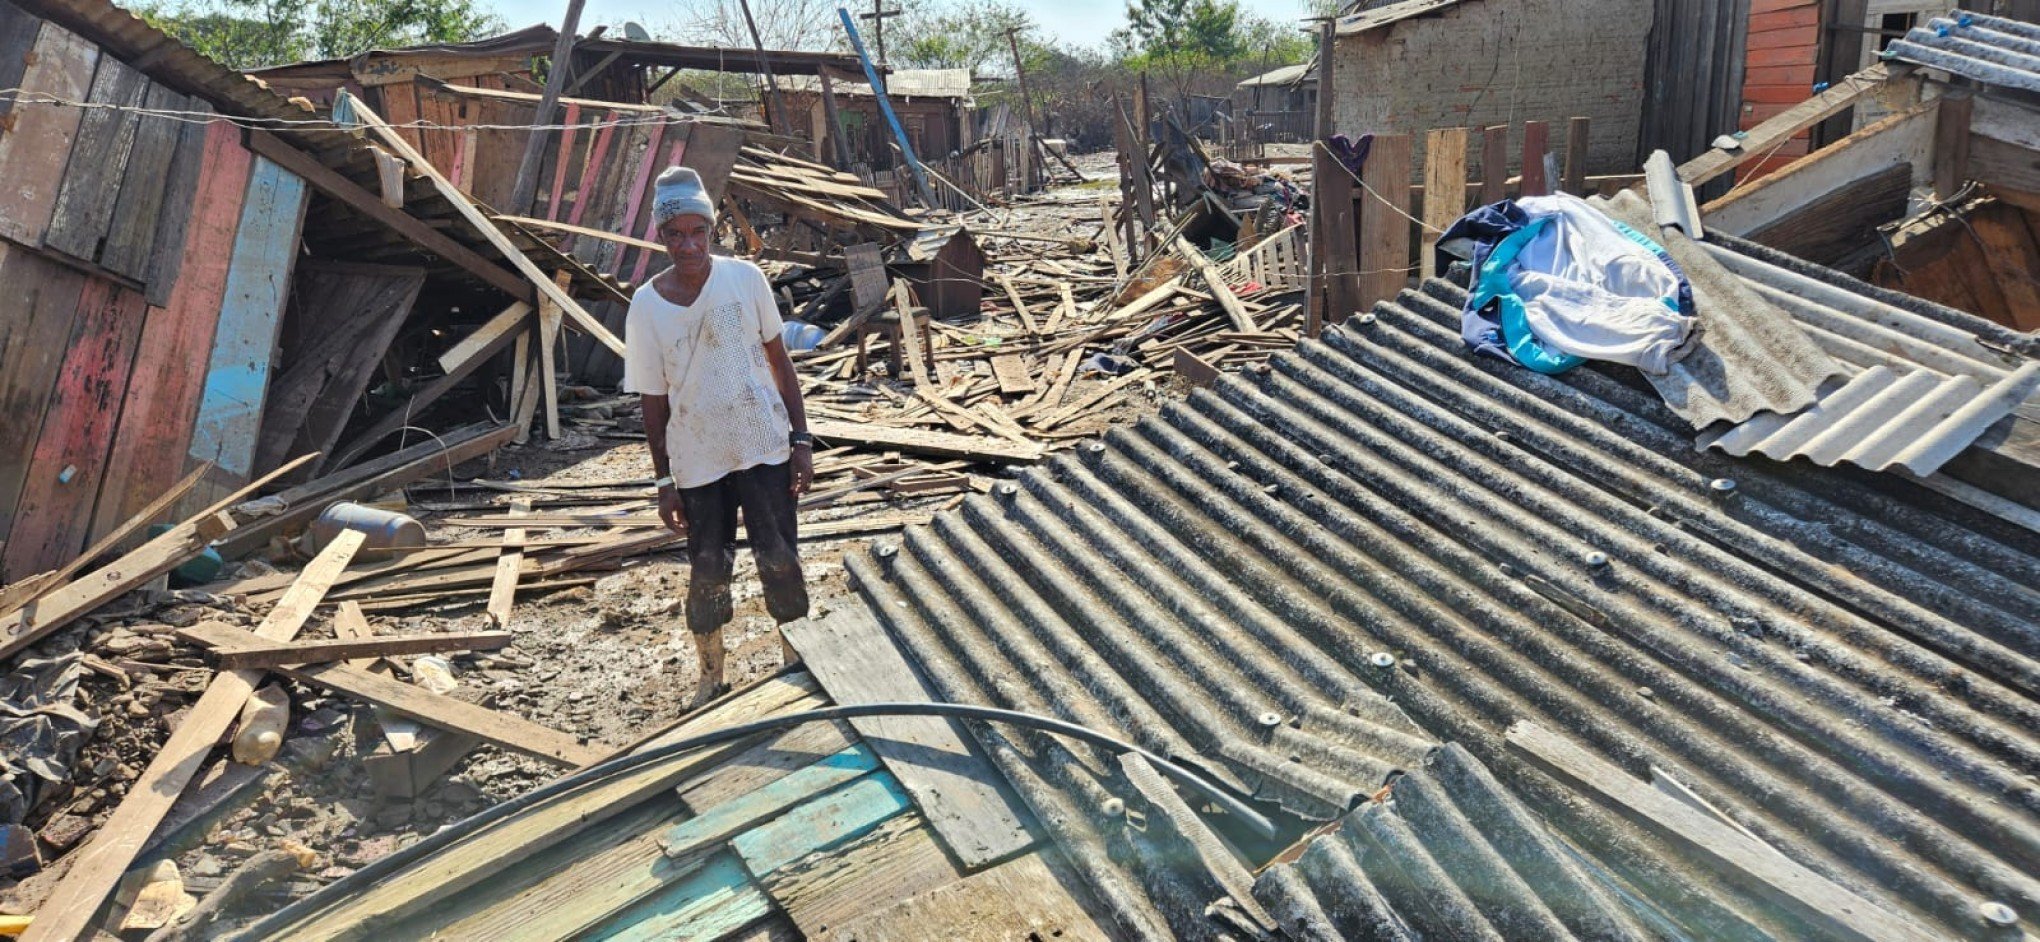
(232, 650)
(898, 860)
(964, 798)
(1011, 372)
(1022, 899)
(915, 441)
(70, 909)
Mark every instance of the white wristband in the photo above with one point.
(663, 482)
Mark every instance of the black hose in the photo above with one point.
(385, 867)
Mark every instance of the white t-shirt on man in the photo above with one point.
(708, 360)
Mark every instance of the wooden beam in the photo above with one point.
(1494, 162)
(1838, 913)
(1536, 143)
(504, 729)
(916, 441)
(503, 591)
(484, 338)
(1765, 138)
(1444, 189)
(1951, 141)
(171, 549)
(481, 222)
(330, 182)
(1214, 281)
(68, 912)
(1577, 133)
(1384, 259)
(233, 652)
(105, 544)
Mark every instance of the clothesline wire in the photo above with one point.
(1370, 191)
(19, 97)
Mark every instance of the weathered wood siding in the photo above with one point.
(1491, 62)
(237, 373)
(36, 146)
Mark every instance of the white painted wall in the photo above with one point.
(1906, 138)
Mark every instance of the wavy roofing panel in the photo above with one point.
(1302, 579)
(1989, 49)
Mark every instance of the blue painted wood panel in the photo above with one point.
(835, 818)
(714, 901)
(258, 278)
(727, 819)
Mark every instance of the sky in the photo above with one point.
(1074, 22)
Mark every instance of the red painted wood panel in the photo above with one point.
(635, 209)
(39, 300)
(1760, 7)
(55, 513)
(650, 232)
(1800, 18)
(1788, 55)
(177, 340)
(1800, 74)
(565, 161)
(1787, 95)
(591, 173)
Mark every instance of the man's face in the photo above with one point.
(687, 239)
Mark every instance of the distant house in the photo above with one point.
(934, 107)
(1280, 105)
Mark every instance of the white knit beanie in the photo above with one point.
(679, 193)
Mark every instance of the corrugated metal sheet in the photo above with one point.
(1750, 356)
(1299, 580)
(1380, 16)
(1883, 418)
(1287, 75)
(1989, 49)
(901, 83)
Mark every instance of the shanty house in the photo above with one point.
(1279, 105)
(934, 107)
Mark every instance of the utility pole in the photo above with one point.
(778, 115)
(877, 17)
(885, 108)
(525, 189)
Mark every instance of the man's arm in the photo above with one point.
(656, 410)
(788, 381)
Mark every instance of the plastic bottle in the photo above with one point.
(433, 673)
(262, 724)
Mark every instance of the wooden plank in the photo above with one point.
(1766, 136)
(1338, 259)
(1022, 899)
(550, 318)
(181, 210)
(233, 651)
(1536, 144)
(237, 374)
(1838, 913)
(962, 796)
(18, 32)
(106, 136)
(106, 544)
(1214, 282)
(1197, 372)
(42, 298)
(1385, 222)
(919, 442)
(503, 592)
(149, 187)
(157, 415)
(37, 144)
(53, 519)
(1494, 163)
(1952, 114)
(344, 317)
(712, 902)
(160, 555)
(360, 113)
(396, 469)
(1444, 190)
(826, 822)
(1019, 306)
(897, 860)
(71, 906)
(703, 834)
(910, 340)
(786, 752)
(1011, 372)
(1577, 133)
(330, 182)
(504, 729)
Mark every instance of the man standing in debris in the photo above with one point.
(723, 418)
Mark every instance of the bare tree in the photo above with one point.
(782, 24)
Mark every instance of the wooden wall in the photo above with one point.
(1988, 264)
(1780, 62)
(135, 276)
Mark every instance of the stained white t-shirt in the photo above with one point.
(708, 360)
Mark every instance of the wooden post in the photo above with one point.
(1536, 142)
(834, 118)
(526, 187)
(1384, 257)
(1494, 163)
(1951, 142)
(1576, 155)
(1326, 204)
(777, 120)
(1444, 189)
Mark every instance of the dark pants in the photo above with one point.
(765, 493)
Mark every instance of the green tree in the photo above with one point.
(966, 34)
(247, 34)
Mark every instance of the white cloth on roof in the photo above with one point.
(708, 360)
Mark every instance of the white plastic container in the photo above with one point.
(263, 721)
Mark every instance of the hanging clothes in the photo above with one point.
(1556, 283)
